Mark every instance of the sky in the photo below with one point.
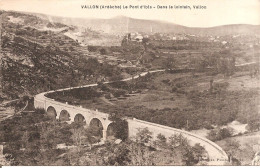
(217, 12)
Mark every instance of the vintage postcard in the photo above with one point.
(129, 82)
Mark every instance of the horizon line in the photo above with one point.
(93, 18)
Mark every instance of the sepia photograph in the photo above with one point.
(129, 83)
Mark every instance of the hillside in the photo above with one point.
(38, 56)
(120, 25)
(39, 53)
(228, 30)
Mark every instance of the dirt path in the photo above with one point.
(7, 102)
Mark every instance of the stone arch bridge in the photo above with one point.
(70, 113)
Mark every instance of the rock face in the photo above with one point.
(256, 160)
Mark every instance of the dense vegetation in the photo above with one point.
(34, 139)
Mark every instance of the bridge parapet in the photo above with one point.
(216, 153)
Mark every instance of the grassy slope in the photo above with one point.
(175, 99)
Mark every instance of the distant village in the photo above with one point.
(140, 36)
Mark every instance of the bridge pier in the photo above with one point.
(104, 134)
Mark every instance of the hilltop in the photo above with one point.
(121, 24)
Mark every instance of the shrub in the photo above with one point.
(107, 96)
(208, 126)
(166, 81)
(178, 85)
(143, 136)
(151, 97)
(253, 125)
(121, 131)
(218, 87)
(181, 91)
(104, 87)
(160, 141)
(40, 110)
(174, 89)
(92, 48)
(219, 134)
(118, 93)
(103, 51)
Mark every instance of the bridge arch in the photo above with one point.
(79, 118)
(51, 113)
(111, 130)
(97, 128)
(64, 115)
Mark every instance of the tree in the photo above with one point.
(140, 155)
(173, 141)
(25, 139)
(120, 126)
(199, 64)
(219, 134)
(232, 147)
(92, 48)
(254, 124)
(160, 142)
(169, 63)
(144, 136)
(103, 51)
(77, 134)
(145, 40)
(177, 140)
(199, 152)
(119, 154)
